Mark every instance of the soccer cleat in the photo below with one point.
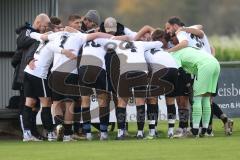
(35, 139)
(227, 129)
(60, 132)
(68, 138)
(103, 136)
(125, 132)
(52, 136)
(230, 125)
(122, 137)
(27, 137)
(209, 134)
(79, 136)
(139, 137)
(150, 137)
(179, 133)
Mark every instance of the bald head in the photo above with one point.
(41, 22)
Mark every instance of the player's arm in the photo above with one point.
(122, 38)
(40, 37)
(131, 34)
(93, 36)
(197, 26)
(52, 47)
(153, 44)
(192, 30)
(142, 31)
(179, 46)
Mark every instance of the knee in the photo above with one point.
(30, 102)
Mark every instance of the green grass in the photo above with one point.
(214, 148)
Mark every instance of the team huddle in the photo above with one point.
(63, 66)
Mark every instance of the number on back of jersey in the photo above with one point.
(199, 42)
(92, 43)
(130, 45)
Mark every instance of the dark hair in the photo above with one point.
(175, 20)
(55, 20)
(158, 34)
(73, 17)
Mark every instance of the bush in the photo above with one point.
(227, 48)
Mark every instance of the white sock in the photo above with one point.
(120, 132)
(152, 132)
(140, 133)
(170, 130)
(89, 135)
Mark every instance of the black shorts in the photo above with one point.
(133, 83)
(185, 83)
(112, 63)
(163, 82)
(172, 77)
(92, 77)
(35, 86)
(64, 86)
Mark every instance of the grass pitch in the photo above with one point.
(219, 147)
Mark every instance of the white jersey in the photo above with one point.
(96, 49)
(159, 59)
(206, 45)
(70, 41)
(132, 56)
(131, 34)
(194, 41)
(44, 58)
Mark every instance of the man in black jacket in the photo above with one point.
(26, 47)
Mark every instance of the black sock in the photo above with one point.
(156, 110)
(211, 117)
(58, 119)
(183, 118)
(121, 117)
(86, 120)
(68, 129)
(204, 130)
(104, 118)
(140, 117)
(27, 118)
(219, 113)
(77, 118)
(152, 114)
(46, 117)
(171, 111)
(34, 130)
(216, 110)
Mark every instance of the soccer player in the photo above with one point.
(206, 69)
(36, 86)
(64, 67)
(162, 62)
(92, 64)
(215, 109)
(132, 78)
(111, 26)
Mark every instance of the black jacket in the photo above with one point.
(26, 47)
